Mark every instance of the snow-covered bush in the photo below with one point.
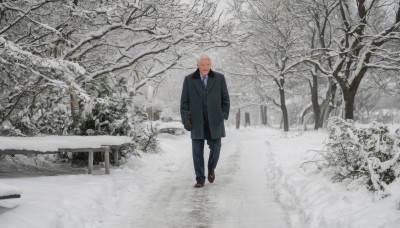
(106, 116)
(6, 128)
(367, 155)
(146, 138)
(345, 155)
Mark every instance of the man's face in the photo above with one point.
(204, 66)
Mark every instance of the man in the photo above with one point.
(204, 106)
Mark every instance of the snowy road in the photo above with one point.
(239, 197)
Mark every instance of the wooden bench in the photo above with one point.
(106, 149)
(112, 145)
(171, 128)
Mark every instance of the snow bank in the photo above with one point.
(310, 196)
(53, 143)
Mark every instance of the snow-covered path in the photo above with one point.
(239, 197)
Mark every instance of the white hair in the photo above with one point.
(203, 57)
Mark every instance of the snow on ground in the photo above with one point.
(239, 197)
(87, 201)
(311, 199)
(257, 168)
(155, 190)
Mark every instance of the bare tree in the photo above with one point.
(363, 39)
(118, 43)
(275, 49)
(315, 19)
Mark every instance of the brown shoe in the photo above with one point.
(199, 185)
(211, 176)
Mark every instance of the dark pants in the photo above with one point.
(198, 156)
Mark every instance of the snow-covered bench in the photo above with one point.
(9, 196)
(9, 192)
(57, 144)
(173, 127)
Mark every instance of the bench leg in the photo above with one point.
(107, 159)
(116, 162)
(90, 162)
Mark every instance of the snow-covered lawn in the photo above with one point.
(258, 167)
(310, 197)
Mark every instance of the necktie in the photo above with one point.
(203, 80)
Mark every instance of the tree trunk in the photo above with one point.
(263, 114)
(284, 110)
(349, 106)
(304, 113)
(314, 100)
(326, 108)
(75, 109)
(329, 99)
(349, 93)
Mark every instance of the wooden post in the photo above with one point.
(246, 119)
(107, 159)
(90, 161)
(116, 162)
(263, 114)
(238, 119)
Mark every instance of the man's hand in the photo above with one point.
(187, 125)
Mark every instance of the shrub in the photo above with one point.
(364, 154)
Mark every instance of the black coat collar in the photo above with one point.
(198, 84)
(196, 74)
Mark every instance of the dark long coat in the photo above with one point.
(218, 104)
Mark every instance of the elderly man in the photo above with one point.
(204, 106)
